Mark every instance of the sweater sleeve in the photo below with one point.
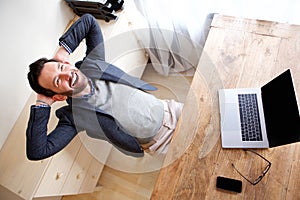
(86, 27)
(39, 144)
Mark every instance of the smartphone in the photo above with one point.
(229, 184)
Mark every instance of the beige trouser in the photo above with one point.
(159, 144)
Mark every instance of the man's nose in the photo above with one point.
(65, 75)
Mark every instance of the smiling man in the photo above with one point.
(61, 78)
(101, 99)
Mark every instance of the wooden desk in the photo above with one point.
(238, 53)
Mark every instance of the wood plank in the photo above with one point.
(132, 186)
(115, 185)
(77, 172)
(293, 191)
(170, 87)
(90, 182)
(263, 27)
(58, 170)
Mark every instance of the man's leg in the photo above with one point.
(165, 134)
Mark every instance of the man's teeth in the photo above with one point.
(74, 79)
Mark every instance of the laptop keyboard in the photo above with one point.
(250, 123)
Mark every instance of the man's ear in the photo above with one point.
(59, 97)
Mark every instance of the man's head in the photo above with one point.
(55, 79)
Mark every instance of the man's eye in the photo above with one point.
(62, 67)
(57, 82)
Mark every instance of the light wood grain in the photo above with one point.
(238, 53)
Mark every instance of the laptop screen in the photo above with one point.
(281, 110)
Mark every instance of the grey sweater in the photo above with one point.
(139, 113)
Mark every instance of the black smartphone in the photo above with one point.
(229, 184)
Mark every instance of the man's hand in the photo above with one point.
(42, 99)
(61, 55)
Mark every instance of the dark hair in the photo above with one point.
(34, 72)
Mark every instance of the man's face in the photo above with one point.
(62, 78)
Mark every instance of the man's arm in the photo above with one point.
(39, 145)
(86, 27)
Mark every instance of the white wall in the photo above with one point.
(29, 29)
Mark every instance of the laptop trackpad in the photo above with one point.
(230, 120)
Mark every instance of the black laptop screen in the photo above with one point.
(281, 110)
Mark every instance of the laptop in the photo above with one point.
(260, 117)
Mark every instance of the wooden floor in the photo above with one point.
(238, 53)
(118, 185)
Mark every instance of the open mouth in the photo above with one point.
(74, 79)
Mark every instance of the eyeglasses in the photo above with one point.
(261, 175)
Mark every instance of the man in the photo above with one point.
(102, 100)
